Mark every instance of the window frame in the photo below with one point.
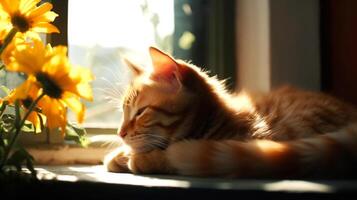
(61, 8)
(214, 50)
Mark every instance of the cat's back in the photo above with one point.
(291, 113)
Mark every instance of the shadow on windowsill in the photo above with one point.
(94, 182)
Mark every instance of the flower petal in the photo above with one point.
(10, 6)
(40, 10)
(79, 82)
(6, 55)
(45, 27)
(34, 119)
(27, 5)
(49, 16)
(32, 35)
(26, 57)
(76, 106)
(85, 91)
(28, 89)
(55, 112)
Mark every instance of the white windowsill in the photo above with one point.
(66, 154)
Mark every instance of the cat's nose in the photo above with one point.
(123, 133)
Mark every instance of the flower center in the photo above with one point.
(49, 86)
(20, 22)
(27, 102)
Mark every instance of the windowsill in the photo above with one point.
(97, 173)
(70, 171)
(66, 154)
(70, 181)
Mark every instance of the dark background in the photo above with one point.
(339, 48)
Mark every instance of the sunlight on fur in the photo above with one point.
(267, 146)
(182, 121)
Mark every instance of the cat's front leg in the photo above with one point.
(153, 162)
(117, 161)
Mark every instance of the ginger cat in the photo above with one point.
(178, 120)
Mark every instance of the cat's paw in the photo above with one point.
(148, 163)
(116, 161)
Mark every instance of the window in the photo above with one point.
(189, 29)
(194, 30)
(129, 28)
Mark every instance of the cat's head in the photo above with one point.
(157, 102)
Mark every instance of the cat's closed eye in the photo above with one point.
(140, 111)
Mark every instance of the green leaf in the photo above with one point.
(16, 159)
(2, 131)
(5, 89)
(76, 134)
(79, 130)
(8, 118)
(28, 127)
(3, 107)
(29, 165)
(2, 152)
(2, 142)
(17, 114)
(42, 122)
(7, 121)
(20, 157)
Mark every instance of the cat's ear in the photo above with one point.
(135, 69)
(164, 66)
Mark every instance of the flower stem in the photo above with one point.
(8, 39)
(18, 130)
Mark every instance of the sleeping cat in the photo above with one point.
(178, 120)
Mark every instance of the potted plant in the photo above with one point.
(51, 86)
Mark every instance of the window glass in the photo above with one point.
(100, 33)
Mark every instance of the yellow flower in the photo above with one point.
(6, 31)
(26, 93)
(26, 16)
(49, 69)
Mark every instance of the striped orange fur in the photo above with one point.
(179, 120)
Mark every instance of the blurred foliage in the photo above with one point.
(13, 159)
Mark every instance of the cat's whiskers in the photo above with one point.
(113, 92)
(111, 144)
(147, 142)
(107, 142)
(116, 88)
(112, 85)
(110, 97)
(115, 74)
(109, 94)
